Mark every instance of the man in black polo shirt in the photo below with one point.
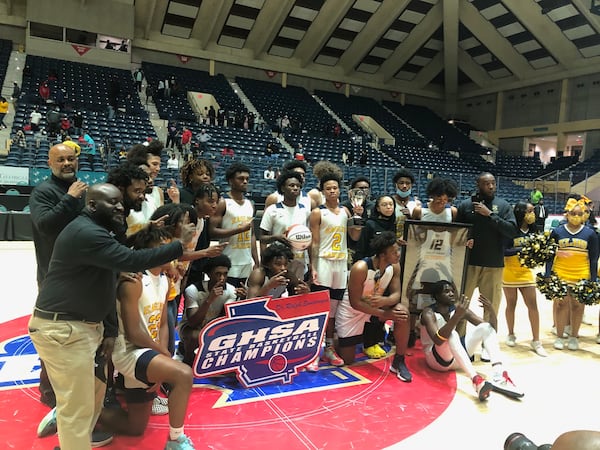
(54, 203)
(75, 312)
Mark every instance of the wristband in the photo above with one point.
(437, 333)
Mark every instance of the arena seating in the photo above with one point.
(177, 106)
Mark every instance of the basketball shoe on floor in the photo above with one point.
(313, 366)
(182, 443)
(332, 357)
(504, 385)
(101, 438)
(47, 426)
(537, 347)
(399, 368)
(482, 387)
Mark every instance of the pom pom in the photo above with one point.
(552, 287)
(587, 292)
(537, 249)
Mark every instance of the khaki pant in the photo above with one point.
(489, 282)
(68, 349)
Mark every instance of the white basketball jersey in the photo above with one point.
(333, 243)
(239, 249)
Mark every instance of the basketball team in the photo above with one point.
(200, 248)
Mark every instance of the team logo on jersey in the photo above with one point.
(264, 340)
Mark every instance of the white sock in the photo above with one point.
(174, 433)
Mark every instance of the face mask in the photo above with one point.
(403, 194)
(530, 218)
(575, 220)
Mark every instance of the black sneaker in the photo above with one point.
(101, 438)
(399, 368)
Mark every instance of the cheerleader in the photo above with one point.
(516, 278)
(576, 259)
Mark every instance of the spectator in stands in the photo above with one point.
(186, 142)
(204, 116)
(364, 156)
(173, 162)
(44, 91)
(77, 123)
(541, 214)
(138, 77)
(172, 133)
(195, 173)
(65, 124)
(337, 129)
(221, 117)
(227, 152)
(19, 138)
(150, 92)
(535, 196)
(516, 277)
(493, 221)
(16, 93)
(269, 150)
(53, 121)
(212, 115)
(114, 90)
(269, 173)
(34, 119)
(3, 111)
(203, 139)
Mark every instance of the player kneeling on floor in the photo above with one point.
(374, 290)
(442, 345)
(141, 354)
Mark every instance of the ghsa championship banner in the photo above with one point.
(264, 340)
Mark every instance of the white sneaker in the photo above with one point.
(313, 366)
(504, 385)
(485, 356)
(536, 346)
(559, 344)
(159, 408)
(573, 343)
(511, 340)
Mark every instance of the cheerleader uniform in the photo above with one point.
(514, 274)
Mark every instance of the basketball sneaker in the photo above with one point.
(482, 387)
(47, 426)
(332, 357)
(504, 385)
(537, 347)
(399, 368)
(182, 443)
(313, 366)
(511, 340)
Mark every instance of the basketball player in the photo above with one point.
(374, 290)
(274, 278)
(278, 217)
(444, 350)
(233, 222)
(141, 353)
(329, 252)
(303, 198)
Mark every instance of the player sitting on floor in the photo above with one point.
(141, 355)
(205, 301)
(374, 290)
(272, 278)
(442, 345)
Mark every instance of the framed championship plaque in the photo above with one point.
(434, 251)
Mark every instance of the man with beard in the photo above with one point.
(493, 222)
(68, 332)
(132, 181)
(54, 203)
(233, 222)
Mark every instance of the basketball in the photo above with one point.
(299, 236)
